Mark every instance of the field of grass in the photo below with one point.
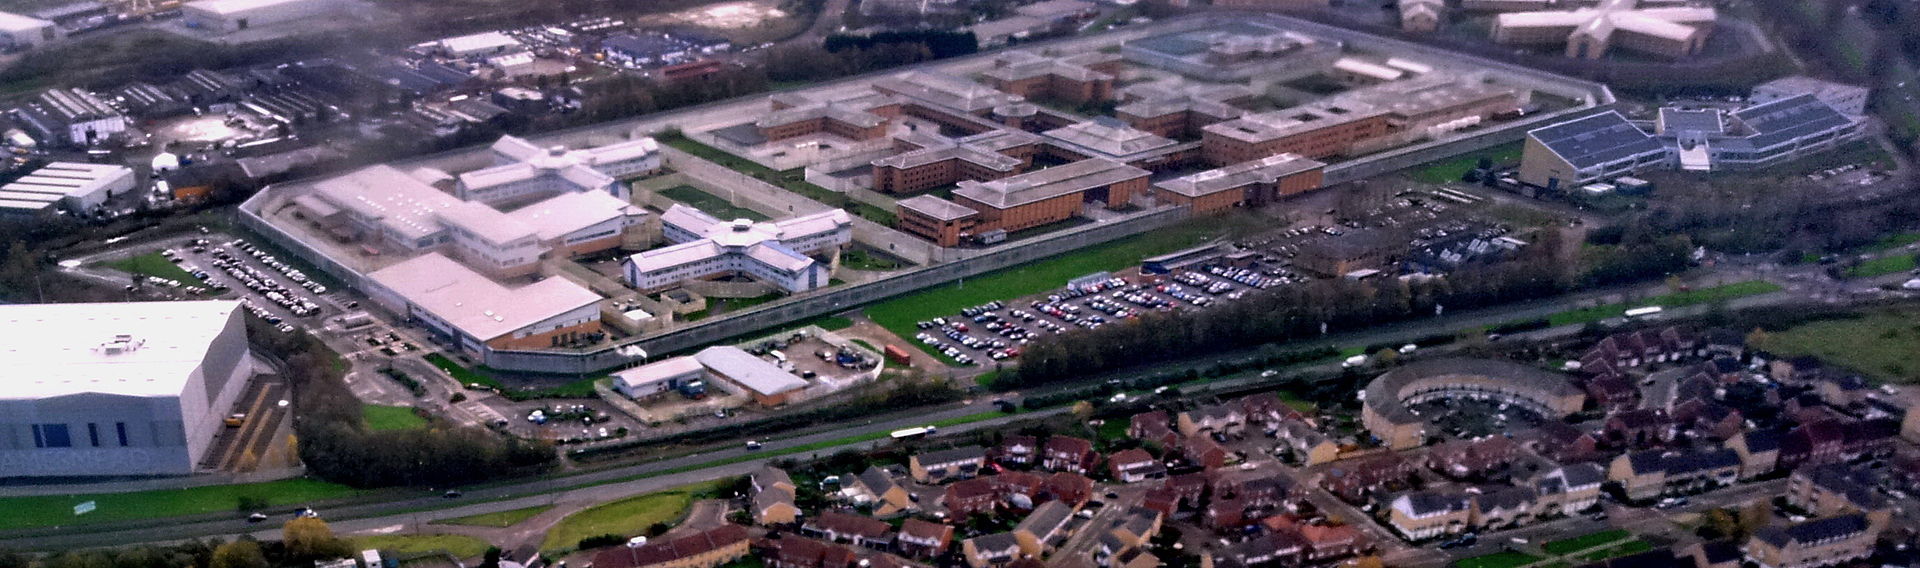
(1880, 344)
(53, 510)
(1452, 168)
(381, 417)
(1895, 241)
(1673, 300)
(712, 204)
(1584, 542)
(862, 259)
(626, 517)
(900, 314)
(1882, 266)
(411, 544)
(1497, 560)
(501, 519)
(151, 264)
(1627, 548)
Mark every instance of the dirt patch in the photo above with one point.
(742, 15)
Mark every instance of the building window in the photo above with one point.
(93, 434)
(121, 427)
(51, 436)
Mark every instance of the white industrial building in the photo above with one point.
(484, 44)
(773, 252)
(481, 315)
(523, 171)
(27, 32)
(765, 382)
(73, 186)
(386, 206)
(117, 389)
(227, 16)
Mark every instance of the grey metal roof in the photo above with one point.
(1596, 140)
(1787, 119)
(1814, 531)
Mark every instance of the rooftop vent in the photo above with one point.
(122, 343)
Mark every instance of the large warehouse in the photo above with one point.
(26, 31)
(227, 16)
(74, 186)
(117, 389)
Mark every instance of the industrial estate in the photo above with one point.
(838, 283)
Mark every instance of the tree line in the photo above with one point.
(335, 444)
(1552, 265)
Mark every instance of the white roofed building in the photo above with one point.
(1674, 31)
(228, 16)
(525, 172)
(776, 253)
(485, 44)
(117, 389)
(768, 384)
(481, 315)
(27, 31)
(73, 186)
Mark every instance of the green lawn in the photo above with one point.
(381, 417)
(1578, 543)
(626, 517)
(1497, 560)
(1895, 241)
(1451, 169)
(1882, 266)
(152, 264)
(411, 544)
(501, 519)
(712, 204)
(900, 314)
(1673, 300)
(46, 511)
(1627, 548)
(1880, 344)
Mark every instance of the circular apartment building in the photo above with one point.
(1384, 404)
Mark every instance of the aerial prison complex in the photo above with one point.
(118, 389)
(967, 153)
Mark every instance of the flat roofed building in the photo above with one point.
(118, 389)
(1050, 195)
(227, 16)
(1850, 100)
(773, 252)
(1589, 32)
(481, 315)
(28, 32)
(768, 384)
(1180, 111)
(582, 223)
(941, 221)
(523, 171)
(1254, 183)
(1586, 150)
(72, 117)
(658, 377)
(73, 186)
(480, 44)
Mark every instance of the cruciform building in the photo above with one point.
(1671, 31)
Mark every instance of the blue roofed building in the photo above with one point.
(1587, 150)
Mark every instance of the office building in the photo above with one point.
(118, 389)
(1757, 136)
(776, 253)
(1588, 149)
